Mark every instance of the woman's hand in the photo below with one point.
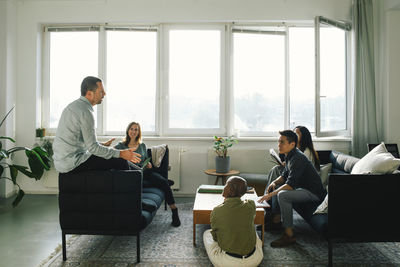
(149, 166)
(108, 143)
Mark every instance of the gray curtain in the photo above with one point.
(364, 109)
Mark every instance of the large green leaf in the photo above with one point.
(44, 156)
(18, 198)
(35, 163)
(5, 117)
(24, 170)
(13, 173)
(9, 138)
(15, 149)
(32, 154)
(3, 154)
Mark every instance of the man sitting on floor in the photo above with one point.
(232, 240)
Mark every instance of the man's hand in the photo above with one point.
(265, 197)
(129, 155)
(108, 143)
(271, 187)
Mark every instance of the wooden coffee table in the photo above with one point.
(204, 203)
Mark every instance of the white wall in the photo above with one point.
(8, 12)
(387, 64)
(393, 77)
(31, 14)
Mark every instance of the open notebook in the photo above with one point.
(144, 165)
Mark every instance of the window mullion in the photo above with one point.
(45, 120)
(287, 88)
(317, 79)
(102, 109)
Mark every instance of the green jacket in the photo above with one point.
(232, 225)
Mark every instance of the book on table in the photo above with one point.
(217, 189)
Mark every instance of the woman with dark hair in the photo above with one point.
(133, 139)
(305, 144)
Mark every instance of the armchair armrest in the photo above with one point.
(164, 166)
(363, 207)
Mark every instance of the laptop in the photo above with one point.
(144, 165)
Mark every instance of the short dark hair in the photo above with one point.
(290, 135)
(89, 84)
(238, 186)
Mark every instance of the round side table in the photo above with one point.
(223, 175)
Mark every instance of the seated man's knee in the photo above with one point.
(282, 195)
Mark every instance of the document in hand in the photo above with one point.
(275, 157)
(144, 165)
(255, 198)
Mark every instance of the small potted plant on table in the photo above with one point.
(222, 160)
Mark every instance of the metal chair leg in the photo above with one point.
(64, 248)
(138, 247)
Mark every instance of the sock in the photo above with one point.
(175, 218)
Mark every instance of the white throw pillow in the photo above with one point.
(323, 207)
(324, 172)
(377, 161)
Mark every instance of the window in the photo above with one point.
(259, 80)
(131, 79)
(302, 77)
(71, 54)
(204, 79)
(332, 77)
(194, 78)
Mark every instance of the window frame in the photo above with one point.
(347, 28)
(286, 109)
(168, 131)
(226, 94)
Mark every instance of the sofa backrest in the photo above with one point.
(341, 163)
(100, 200)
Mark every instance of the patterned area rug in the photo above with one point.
(165, 246)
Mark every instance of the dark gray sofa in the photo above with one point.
(108, 203)
(362, 208)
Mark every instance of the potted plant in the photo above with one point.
(38, 160)
(222, 160)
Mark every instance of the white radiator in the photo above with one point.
(174, 173)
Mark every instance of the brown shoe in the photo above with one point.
(283, 241)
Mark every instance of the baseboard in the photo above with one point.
(50, 192)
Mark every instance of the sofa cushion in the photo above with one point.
(324, 173)
(377, 161)
(342, 162)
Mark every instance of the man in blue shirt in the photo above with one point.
(298, 183)
(75, 146)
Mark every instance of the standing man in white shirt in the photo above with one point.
(75, 146)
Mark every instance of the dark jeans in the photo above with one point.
(98, 163)
(157, 180)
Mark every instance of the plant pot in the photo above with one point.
(222, 165)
